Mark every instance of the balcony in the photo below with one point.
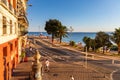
(23, 19)
(22, 33)
(22, 30)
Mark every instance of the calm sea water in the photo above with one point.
(75, 36)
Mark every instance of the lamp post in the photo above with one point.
(71, 30)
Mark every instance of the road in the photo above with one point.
(100, 64)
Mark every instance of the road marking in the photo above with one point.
(111, 75)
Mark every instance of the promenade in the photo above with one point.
(59, 68)
(22, 71)
(64, 71)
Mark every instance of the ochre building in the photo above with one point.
(10, 21)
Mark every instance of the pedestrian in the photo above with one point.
(30, 48)
(47, 63)
(72, 78)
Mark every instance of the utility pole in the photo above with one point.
(71, 30)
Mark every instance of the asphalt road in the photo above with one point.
(101, 64)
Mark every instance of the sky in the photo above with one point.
(81, 15)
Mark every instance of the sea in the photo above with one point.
(74, 36)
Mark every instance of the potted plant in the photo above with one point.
(22, 56)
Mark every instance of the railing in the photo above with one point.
(23, 17)
(22, 33)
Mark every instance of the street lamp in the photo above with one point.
(71, 30)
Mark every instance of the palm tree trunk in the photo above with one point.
(52, 37)
(94, 49)
(119, 49)
(60, 39)
(103, 49)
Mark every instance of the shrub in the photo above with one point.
(72, 43)
(114, 48)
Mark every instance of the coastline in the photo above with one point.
(74, 36)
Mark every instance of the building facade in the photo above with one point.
(9, 36)
(22, 25)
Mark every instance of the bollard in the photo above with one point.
(37, 67)
(93, 56)
(113, 61)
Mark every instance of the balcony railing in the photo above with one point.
(22, 33)
(23, 18)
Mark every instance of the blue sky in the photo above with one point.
(82, 15)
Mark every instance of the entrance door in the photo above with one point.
(5, 62)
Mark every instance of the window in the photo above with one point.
(15, 28)
(10, 26)
(4, 25)
(5, 51)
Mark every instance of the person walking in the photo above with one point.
(72, 78)
(47, 63)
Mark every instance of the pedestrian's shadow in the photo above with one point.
(20, 74)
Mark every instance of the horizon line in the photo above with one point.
(76, 31)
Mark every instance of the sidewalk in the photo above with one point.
(63, 71)
(22, 71)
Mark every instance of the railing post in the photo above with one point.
(93, 56)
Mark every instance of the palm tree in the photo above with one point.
(87, 41)
(116, 38)
(62, 32)
(102, 40)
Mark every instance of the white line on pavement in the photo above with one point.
(111, 75)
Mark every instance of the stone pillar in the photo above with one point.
(37, 67)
